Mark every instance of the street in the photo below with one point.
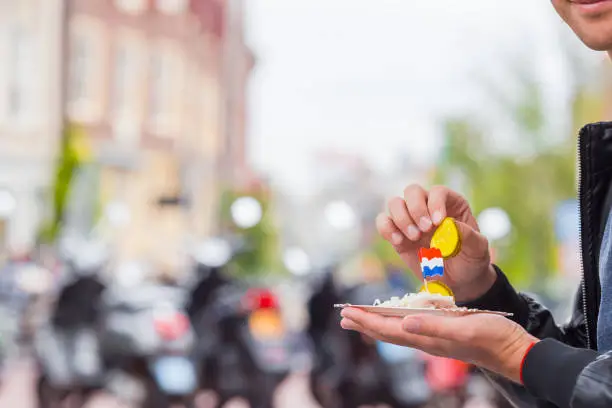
(18, 386)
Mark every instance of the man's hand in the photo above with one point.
(410, 226)
(488, 341)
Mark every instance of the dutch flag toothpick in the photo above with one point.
(432, 262)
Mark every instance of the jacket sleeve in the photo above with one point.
(558, 371)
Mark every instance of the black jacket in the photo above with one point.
(565, 369)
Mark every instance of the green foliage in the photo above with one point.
(73, 153)
(261, 254)
(588, 106)
(384, 252)
(527, 189)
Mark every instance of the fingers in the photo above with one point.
(436, 203)
(382, 326)
(349, 324)
(389, 330)
(420, 211)
(416, 201)
(474, 245)
(402, 219)
(388, 230)
(443, 202)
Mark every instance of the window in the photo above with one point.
(156, 86)
(80, 60)
(87, 68)
(160, 90)
(120, 79)
(126, 89)
(165, 90)
(16, 56)
(21, 73)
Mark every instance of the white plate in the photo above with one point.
(407, 311)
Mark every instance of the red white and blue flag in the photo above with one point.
(432, 262)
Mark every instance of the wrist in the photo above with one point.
(473, 290)
(515, 357)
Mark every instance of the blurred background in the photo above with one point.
(188, 186)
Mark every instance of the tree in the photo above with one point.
(74, 153)
(528, 187)
(260, 252)
(529, 182)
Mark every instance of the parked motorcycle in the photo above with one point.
(256, 350)
(329, 341)
(204, 307)
(243, 348)
(22, 284)
(9, 327)
(243, 345)
(147, 344)
(66, 343)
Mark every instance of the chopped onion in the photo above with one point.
(422, 300)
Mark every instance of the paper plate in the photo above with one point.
(407, 311)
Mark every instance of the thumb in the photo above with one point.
(473, 243)
(442, 327)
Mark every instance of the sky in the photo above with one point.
(371, 77)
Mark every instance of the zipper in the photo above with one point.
(580, 244)
(585, 238)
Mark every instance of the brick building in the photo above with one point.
(147, 82)
(238, 64)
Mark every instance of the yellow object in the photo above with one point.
(437, 287)
(266, 324)
(447, 238)
(80, 144)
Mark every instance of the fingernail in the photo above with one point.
(345, 313)
(397, 238)
(348, 324)
(413, 232)
(425, 224)
(437, 217)
(411, 325)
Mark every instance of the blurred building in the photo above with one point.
(348, 177)
(238, 64)
(339, 218)
(30, 103)
(148, 82)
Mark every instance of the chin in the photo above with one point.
(597, 44)
(597, 36)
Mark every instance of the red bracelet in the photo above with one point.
(525, 358)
